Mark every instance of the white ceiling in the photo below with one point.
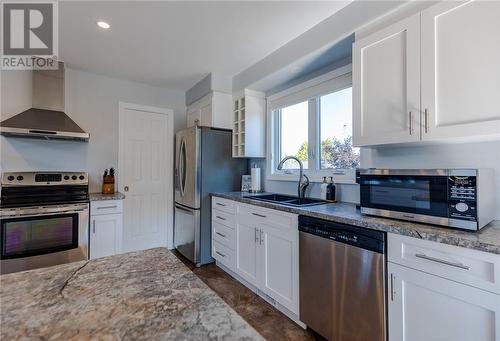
(175, 44)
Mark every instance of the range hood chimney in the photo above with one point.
(46, 119)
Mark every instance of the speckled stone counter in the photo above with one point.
(100, 196)
(147, 295)
(487, 239)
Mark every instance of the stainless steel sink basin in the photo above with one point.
(288, 200)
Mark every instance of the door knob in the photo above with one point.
(125, 188)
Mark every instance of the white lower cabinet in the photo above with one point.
(106, 228)
(248, 252)
(425, 307)
(264, 245)
(279, 265)
(435, 292)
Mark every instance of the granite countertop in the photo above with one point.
(146, 295)
(100, 196)
(487, 239)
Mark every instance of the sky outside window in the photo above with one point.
(336, 131)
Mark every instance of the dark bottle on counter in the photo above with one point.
(330, 190)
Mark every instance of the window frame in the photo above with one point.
(310, 91)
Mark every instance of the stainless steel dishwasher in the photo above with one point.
(342, 280)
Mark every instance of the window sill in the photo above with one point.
(344, 180)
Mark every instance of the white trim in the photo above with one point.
(307, 91)
(170, 161)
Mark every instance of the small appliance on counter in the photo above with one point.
(459, 198)
(44, 219)
(108, 182)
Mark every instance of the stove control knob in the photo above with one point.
(461, 207)
(73, 177)
(10, 178)
(81, 177)
(66, 177)
(20, 178)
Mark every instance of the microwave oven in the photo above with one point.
(458, 198)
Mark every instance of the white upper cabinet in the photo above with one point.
(249, 124)
(461, 69)
(430, 77)
(386, 85)
(212, 110)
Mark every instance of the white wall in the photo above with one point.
(92, 102)
(16, 92)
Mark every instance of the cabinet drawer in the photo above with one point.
(224, 235)
(266, 216)
(224, 255)
(470, 267)
(106, 207)
(223, 218)
(223, 205)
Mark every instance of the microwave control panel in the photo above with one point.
(462, 197)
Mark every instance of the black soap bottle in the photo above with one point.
(330, 190)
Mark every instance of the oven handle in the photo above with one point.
(39, 213)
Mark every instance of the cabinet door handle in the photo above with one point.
(93, 226)
(442, 261)
(218, 203)
(411, 122)
(259, 215)
(105, 207)
(260, 237)
(220, 254)
(256, 237)
(219, 217)
(393, 291)
(220, 234)
(426, 120)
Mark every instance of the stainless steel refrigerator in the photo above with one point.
(203, 164)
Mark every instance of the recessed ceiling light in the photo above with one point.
(103, 24)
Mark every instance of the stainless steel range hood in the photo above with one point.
(47, 119)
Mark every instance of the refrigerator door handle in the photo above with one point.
(178, 167)
(182, 167)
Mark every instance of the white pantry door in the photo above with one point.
(145, 175)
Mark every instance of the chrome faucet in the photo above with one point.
(301, 187)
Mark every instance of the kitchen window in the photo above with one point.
(313, 122)
(293, 132)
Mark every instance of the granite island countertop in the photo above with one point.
(100, 196)
(145, 295)
(487, 239)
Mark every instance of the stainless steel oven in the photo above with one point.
(34, 237)
(44, 220)
(460, 198)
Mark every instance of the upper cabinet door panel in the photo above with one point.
(386, 85)
(461, 69)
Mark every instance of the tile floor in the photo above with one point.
(266, 319)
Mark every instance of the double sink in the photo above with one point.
(288, 200)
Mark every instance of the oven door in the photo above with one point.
(418, 197)
(43, 236)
